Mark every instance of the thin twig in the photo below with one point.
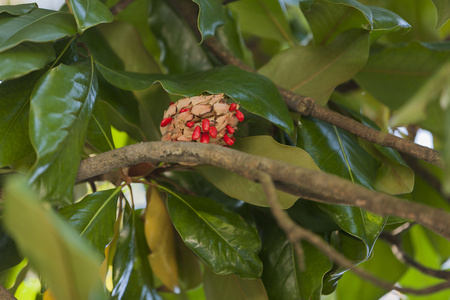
(306, 105)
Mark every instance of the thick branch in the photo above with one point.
(309, 184)
(305, 105)
(5, 295)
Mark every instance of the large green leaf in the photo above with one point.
(245, 190)
(225, 287)
(89, 13)
(99, 131)
(314, 70)
(61, 107)
(264, 18)
(394, 74)
(282, 276)
(25, 58)
(338, 152)
(443, 12)
(39, 25)
(221, 238)
(19, 9)
(180, 51)
(254, 92)
(210, 17)
(14, 112)
(66, 263)
(94, 217)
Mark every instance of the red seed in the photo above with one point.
(232, 107)
(228, 140)
(230, 129)
(205, 125)
(213, 131)
(190, 124)
(205, 138)
(184, 110)
(166, 121)
(239, 115)
(171, 103)
(196, 133)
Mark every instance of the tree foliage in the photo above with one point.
(98, 75)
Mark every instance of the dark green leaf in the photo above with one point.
(89, 13)
(53, 248)
(338, 152)
(219, 237)
(210, 17)
(225, 287)
(61, 107)
(443, 12)
(25, 58)
(125, 80)
(314, 70)
(8, 251)
(99, 131)
(19, 9)
(394, 74)
(14, 113)
(245, 190)
(282, 276)
(94, 216)
(180, 51)
(39, 25)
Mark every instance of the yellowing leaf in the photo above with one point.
(160, 239)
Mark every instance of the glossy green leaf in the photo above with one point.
(225, 287)
(221, 238)
(89, 13)
(18, 9)
(443, 12)
(39, 25)
(66, 263)
(315, 71)
(263, 18)
(180, 51)
(8, 251)
(394, 74)
(282, 276)
(61, 107)
(383, 264)
(25, 58)
(243, 189)
(99, 131)
(125, 80)
(210, 17)
(338, 152)
(94, 217)
(327, 19)
(14, 113)
(132, 276)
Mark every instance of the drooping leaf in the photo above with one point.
(14, 112)
(443, 12)
(25, 58)
(245, 190)
(282, 276)
(53, 248)
(314, 70)
(160, 239)
(18, 9)
(394, 74)
(254, 92)
(99, 131)
(224, 287)
(39, 25)
(89, 13)
(94, 217)
(222, 239)
(180, 51)
(338, 152)
(61, 107)
(210, 17)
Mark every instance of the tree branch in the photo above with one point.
(120, 6)
(5, 294)
(306, 105)
(309, 184)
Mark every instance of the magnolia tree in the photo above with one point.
(180, 149)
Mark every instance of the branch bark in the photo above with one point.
(305, 183)
(306, 105)
(5, 294)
